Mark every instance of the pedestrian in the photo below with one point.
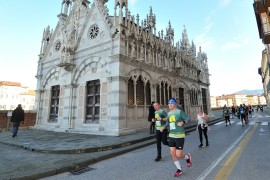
(160, 120)
(227, 116)
(246, 111)
(176, 124)
(242, 114)
(202, 119)
(233, 111)
(16, 118)
(261, 108)
(151, 115)
(250, 110)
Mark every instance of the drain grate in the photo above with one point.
(81, 170)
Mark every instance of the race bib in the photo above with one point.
(172, 126)
(158, 123)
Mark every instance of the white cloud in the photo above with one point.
(133, 2)
(204, 39)
(237, 42)
(224, 2)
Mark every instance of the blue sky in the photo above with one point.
(225, 29)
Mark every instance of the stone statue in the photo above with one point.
(142, 52)
(150, 57)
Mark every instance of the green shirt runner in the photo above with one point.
(174, 117)
(162, 114)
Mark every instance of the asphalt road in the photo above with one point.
(235, 153)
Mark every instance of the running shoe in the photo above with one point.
(158, 159)
(178, 173)
(189, 160)
(201, 145)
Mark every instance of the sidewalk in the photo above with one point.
(35, 154)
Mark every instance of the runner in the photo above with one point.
(246, 111)
(160, 119)
(175, 123)
(202, 119)
(151, 115)
(233, 111)
(242, 114)
(250, 110)
(227, 115)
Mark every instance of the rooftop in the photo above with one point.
(9, 83)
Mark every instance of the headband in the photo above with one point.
(173, 101)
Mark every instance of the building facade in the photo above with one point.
(13, 93)
(236, 100)
(262, 13)
(98, 73)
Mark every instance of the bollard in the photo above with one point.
(9, 114)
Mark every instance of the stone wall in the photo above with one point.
(29, 121)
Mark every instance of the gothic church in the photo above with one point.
(98, 73)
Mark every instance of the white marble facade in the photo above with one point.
(124, 55)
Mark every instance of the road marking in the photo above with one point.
(219, 123)
(264, 124)
(220, 158)
(240, 123)
(226, 170)
(252, 123)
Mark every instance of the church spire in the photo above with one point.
(121, 4)
(151, 20)
(65, 7)
(185, 41)
(170, 33)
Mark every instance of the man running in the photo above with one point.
(227, 115)
(175, 123)
(160, 119)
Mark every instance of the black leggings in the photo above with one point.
(152, 126)
(227, 119)
(161, 136)
(204, 131)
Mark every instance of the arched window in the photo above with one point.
(166, 93)
(162, 93)
(170, 92)
(148, 93)
(130, 92)
(158, 93)
(140, 92)
(193, 97)
(196, 98)
(182, 98)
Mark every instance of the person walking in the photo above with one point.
(202, 119)
(151, 115)
(261, 108)
(233, 112)
(16, 118)
(227, 115)
(242, 112)
(160, 120)
(176, 124)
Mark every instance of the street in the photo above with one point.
(235, 153)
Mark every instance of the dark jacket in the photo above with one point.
(17, 115)
(151, 113)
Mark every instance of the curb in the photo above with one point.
(102, 148)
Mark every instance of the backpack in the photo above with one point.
(242, 110)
